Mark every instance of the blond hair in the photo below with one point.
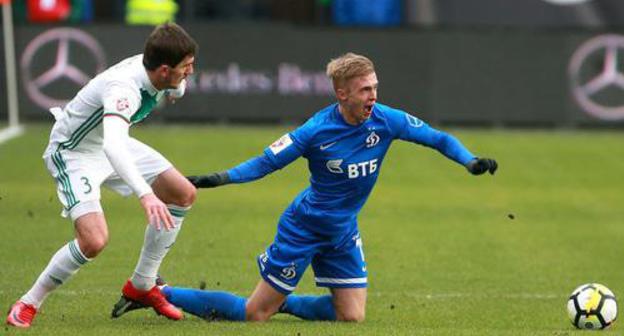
(348, 66)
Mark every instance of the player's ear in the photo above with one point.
(163, 70)
(341, 94)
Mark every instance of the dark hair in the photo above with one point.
(167, 44)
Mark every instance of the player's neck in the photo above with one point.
(153, 78)
(348, 118)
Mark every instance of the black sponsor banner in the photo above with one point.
(275, 73)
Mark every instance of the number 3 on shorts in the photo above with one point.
(87, 185)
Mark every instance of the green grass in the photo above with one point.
(443, 255)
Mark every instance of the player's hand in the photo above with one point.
(479, 166)
(156, 212)
(210, 180)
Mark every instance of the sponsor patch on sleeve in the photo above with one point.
(413, 121)
(281, 144)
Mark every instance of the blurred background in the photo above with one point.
(536, 84)
(485, 63)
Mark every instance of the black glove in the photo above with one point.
(210, 180)
(479, 166)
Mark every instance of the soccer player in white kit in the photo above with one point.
(90, 146)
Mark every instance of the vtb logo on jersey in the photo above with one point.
(334, 166)
(372, 140)
(364, 168)
(354, 170)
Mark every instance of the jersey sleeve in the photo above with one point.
(291, 145)
(251, 169)
(276, 156)
(409, 128)
(279, 154)
(115, 149)
(120, 100)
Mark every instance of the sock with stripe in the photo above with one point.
(155, 248)
(312, 308)
(65, 263)
(209, 305)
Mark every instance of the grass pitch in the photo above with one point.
(448, 253)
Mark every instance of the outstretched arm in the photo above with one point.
(277, 156)
(247, 171)
(452, 148)
(417, 131)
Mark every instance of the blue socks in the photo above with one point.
(212, 305)
(312, 308)
(209, 305)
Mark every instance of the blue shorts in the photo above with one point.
(337, 263)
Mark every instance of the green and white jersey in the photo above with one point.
(123, 90)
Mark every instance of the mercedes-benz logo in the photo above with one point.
(596, 77)
(39, 83)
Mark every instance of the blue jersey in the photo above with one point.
(344, 161)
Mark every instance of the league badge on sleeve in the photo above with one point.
(413, 121)
(122, 104)
(281, 144)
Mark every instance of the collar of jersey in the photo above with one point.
(147, 84)
(340, 117)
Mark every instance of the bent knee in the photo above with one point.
(92, 247)
(190, 196)
(351, 316)
(258, 313)
(258, 316)
(187, 198)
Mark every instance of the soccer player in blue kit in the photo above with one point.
(345, 144)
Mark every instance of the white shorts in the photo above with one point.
(79, 175)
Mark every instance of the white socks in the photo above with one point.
(65, 263)
(155, 248)
(68, 260)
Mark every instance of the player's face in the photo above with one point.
(357, 98)
(174, 76)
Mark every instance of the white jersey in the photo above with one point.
(122, 90)
(79, 156)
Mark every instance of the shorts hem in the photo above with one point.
(275, 286)
(332, 285)
(267, 279)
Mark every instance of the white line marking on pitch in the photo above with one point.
(444, 296)
(412, 295)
